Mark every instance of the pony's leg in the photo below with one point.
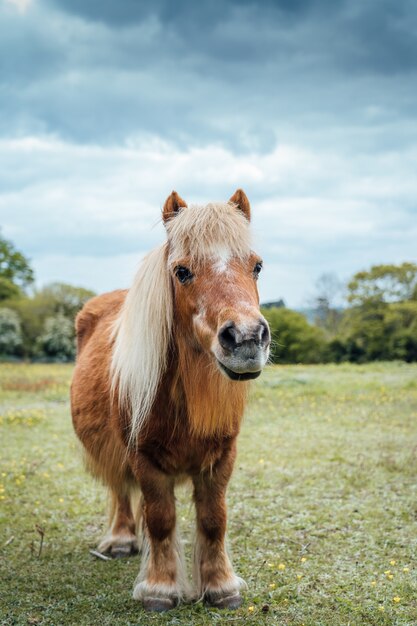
(213, 572)
(120, 540)
(160, 584)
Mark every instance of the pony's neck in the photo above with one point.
(214, 404)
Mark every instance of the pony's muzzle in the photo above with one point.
(244, 348)
(232, 337)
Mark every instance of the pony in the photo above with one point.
(159, 390)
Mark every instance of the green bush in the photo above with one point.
(10, 333)
(377, 331)
(57, 340)
(33, 311)
(294, 340)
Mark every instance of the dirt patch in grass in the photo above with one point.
(28, 385)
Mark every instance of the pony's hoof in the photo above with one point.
(119, 548)
(159, 604)
(122, 552)
(156, 597)
(224, 601)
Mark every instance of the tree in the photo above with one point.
(383, 331)
(401, 320)
(8, 290)
(47, 303)
(57, 339)
(66, 299)
(384, 283)
(328, 287)
(10, 332)
(14, 266)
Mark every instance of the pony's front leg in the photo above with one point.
(213, 572)
(160, 584)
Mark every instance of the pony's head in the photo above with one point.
(214, 275)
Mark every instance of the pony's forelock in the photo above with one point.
(200, 232)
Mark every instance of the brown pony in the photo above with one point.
(159, 390)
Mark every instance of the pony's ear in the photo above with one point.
(240, 200)
(172, 205)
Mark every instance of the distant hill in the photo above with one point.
(270, 305)
(309, 313)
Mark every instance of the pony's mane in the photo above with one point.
(142, 331)
(141, 338)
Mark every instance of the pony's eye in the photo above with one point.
(257, 270)
(183, 274)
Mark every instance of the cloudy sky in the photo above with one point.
(309, 105)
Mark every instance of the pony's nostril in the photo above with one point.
(227, 336)
(265, 335)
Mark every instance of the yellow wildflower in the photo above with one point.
(303, 559)
(373, 583)
(281, 566)
(393, 562)
(272, 585)
(396, 599)
(406, 569)
(251, 609)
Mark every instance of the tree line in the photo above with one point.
(379, 321)
(36, 324)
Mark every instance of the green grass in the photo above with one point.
(322, 505)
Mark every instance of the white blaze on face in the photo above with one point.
(199, 318)
(221, 256)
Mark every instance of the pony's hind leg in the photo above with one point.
(121, 538)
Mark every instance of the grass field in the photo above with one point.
(322, 505)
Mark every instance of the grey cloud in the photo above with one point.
(357, 32)
(244, 74)
(182, 13)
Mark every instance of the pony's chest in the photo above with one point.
(184, 456)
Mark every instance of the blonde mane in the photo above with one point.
(142, 331)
